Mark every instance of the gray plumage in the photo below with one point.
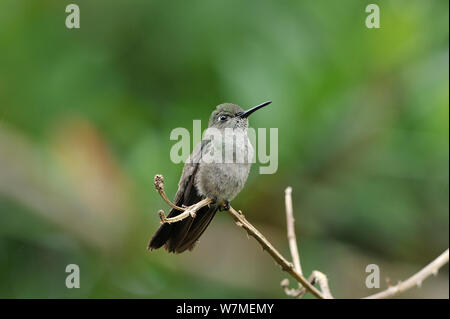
(207, 174)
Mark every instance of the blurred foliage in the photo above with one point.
(85, 118)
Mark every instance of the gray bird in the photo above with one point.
(206, 177)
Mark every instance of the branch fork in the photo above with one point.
(189, 211)
(294, 269)
(316, 276)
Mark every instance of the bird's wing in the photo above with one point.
(187, 193)
(199, 225)
(173, 235)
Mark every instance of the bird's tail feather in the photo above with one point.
(180, 236)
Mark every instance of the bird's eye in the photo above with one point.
(223, 118)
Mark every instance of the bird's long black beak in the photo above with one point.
(253, 109)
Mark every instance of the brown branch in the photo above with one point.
(316, 275)
(292, 240)
(291, 231)
(295, 269)
(415, 280)
(240, 221)
(188, 211)
(267, 246)
(292, 292)
(322, 280)
(158, 181)
(319, 277)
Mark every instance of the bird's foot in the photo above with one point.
(213, 201)
(225, 206)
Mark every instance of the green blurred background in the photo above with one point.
(85, 118)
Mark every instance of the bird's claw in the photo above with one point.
(225, 206)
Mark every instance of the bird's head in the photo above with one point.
(229, 115)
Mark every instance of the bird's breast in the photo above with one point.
(224, 179)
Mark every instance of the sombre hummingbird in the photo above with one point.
(205, 178)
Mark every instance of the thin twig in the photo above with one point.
(316, 275)
(415, 280)
(266, 245)
(242, 222)
(291, 230)
(295, 269)
(322, 279)
(292, 240)
(158, 181)
(291, 291)
(188, 211)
